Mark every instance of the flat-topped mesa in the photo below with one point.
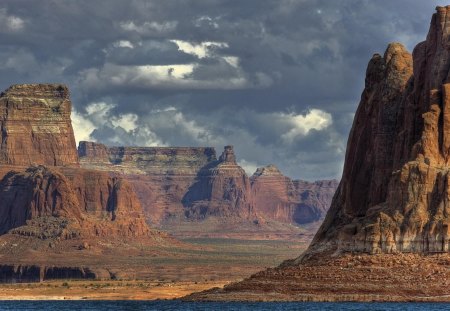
(393, 196)
(36, 126)
(279, 198)
(145, 160)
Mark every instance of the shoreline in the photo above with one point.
(103, 290)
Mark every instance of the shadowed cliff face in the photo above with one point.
(394, 193)
(36, 127)
(68, 203)
(35, 192)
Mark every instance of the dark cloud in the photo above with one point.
(256, 74)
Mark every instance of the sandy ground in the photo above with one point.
(102, 290)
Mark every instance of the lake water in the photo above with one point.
(177, 305)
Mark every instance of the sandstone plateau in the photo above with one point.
(386, 235)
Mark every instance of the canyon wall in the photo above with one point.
(179, 183)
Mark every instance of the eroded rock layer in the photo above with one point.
(290, 201)
(68, 203)
(35, 126)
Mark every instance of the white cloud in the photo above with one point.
(160, 76)
(126, 121)
(201, 50)
(10, 23)
(99, 114)
(123, 44)
(250, 167)
(82, 127)
(202, 20)
(300, 124)
(232, 60)
(149, 27)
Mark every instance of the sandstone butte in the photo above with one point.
(56, 201)
(386, 235)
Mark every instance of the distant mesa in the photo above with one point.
(179, 184)
(290, 201)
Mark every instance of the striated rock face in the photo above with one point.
(280, 198)
(35, 192)
(179, 183)
(160, 176)
(36, 127)
(68, 203)
(395, 190)
(145, 160)
(222, 189)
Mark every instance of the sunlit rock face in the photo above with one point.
(43, 191)
(36, 127)
(395, 190)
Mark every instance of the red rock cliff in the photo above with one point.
(280, 198)
(394, 192)
(36, 127)
(93, 203)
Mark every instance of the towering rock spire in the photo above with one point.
(395, 190)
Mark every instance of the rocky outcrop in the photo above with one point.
(279, 198)
(68, 203)
(394, 192)
(35, 192)
(222, 189)
(386, 235)
(34, 273)
(35, 126)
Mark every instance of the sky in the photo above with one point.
(278, 79)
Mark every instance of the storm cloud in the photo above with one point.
(278, 79)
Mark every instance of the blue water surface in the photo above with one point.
(223, 306)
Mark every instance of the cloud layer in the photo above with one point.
(279, 79)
